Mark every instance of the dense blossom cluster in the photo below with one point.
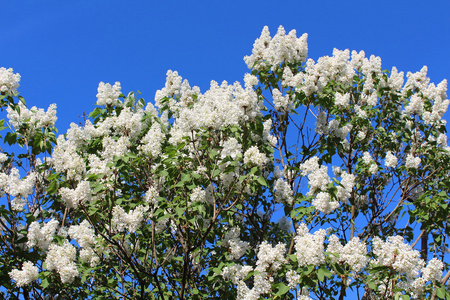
(25, 276)
(9, 81)
(62, 260)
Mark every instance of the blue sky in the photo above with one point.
(63, 49)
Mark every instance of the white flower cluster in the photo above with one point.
(440, 103)
(423, 90)
(318, 182)
(14, 186)
(231, 147)
(151, 142)
(33, 118)
(262, 284)
(198, 194)
(337, 68)
(107, 94)
(283, 192)
(317, 175)
(9, 82)
(130, 221)
(345, 189)
(281, 102)
(323, 204)
(390, 160)
(41, 236)
(151, 196)
(72, 198)
(25, 276)
(266, 133)
(368, 161)
(401, 257)
(84, 235)
(412, 162)
(396, 254)
(309, 247)
(282, 48)
(66, 159)
(270, 259)
(235, 273)
(415, 106)
(253, 157)
(224, 105)
(236, 246)
(61, 259)
(342, 100)
(354, 253)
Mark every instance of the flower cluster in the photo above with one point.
(25, 276)
(9, 82)
(107, 94)
(282, 48)
(309, 247)
(62, 260)
(41, 236)
(236, 246)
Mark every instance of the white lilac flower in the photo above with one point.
(348, 182)
(323, 204)
(367, 158)
(342, 100)
(398, 255)
(72, 198)
(270, 258)
(390, 160)
(280, 101)
(254, 157)
(317, 175)
(130, 221)
(9, 82)
(41, 236)
(433, 271)
(250, 80)
(231, 147)
(83, 234)
(396, 80)
(61, 259)
(151, 142)
(321, 123)
(198, 194)
(415, 106)
(309, 247)
(235, 273)
(271, 52)
(354, 253)
(236, 246)
(107, 94)
(412, 162)
(151, 196)
(283, 192)
(25, 276)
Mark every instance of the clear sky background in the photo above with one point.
(63, 49)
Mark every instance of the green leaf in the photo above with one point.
(262, 181)
(282, 289)
(98, 188)
(44, 283)
(322, 273)
(440, 292)
(53, 187)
